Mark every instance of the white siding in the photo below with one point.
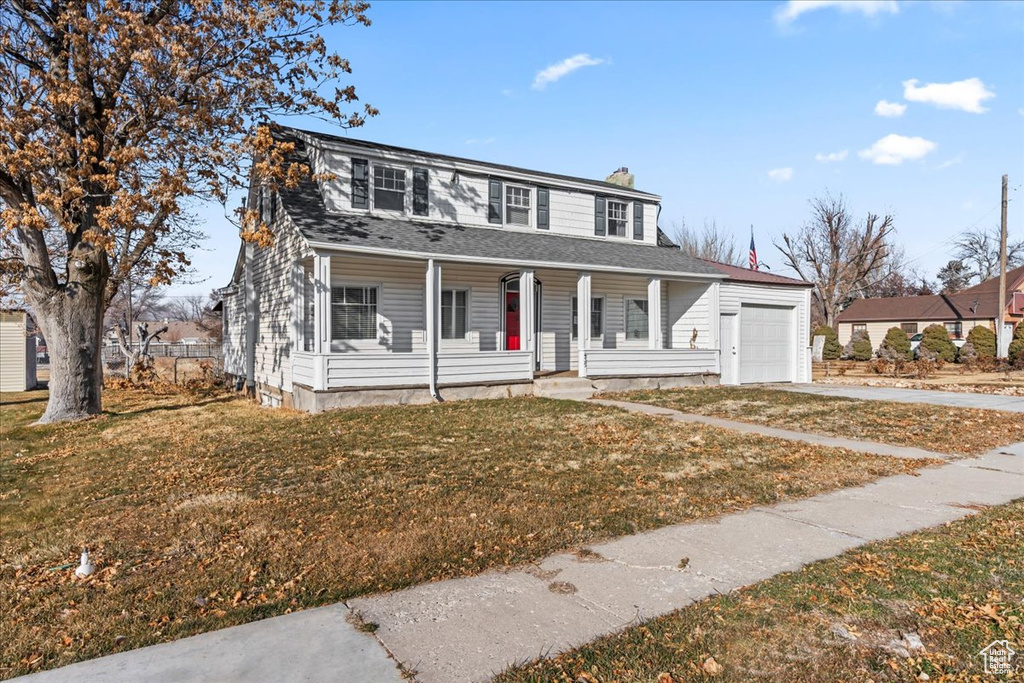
(559, 349)
(13, 376)
(234, 333)
(475, 367)
(689, 309)
(733, 294)
(400, 306)
(650, 362)
(464, 199)
(376, 370)
(273, 280)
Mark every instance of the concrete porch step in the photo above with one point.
(563, 387)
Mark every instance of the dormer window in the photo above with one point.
(518, 208)
(388, 188)
(618, 217)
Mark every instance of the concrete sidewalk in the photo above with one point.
(872, 447)
(468, 629)
(313, 645)
(939, 398)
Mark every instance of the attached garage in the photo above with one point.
(766, 352)
(764, 327)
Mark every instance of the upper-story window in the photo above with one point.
(517, 205)
(388, 188)
(618, 217)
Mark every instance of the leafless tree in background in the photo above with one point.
(190, 308)
(979, 250)
(711, 243)
(840, 257)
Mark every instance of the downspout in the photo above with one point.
(250, 322)
(433, 299)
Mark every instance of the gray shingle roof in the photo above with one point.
(361, 232)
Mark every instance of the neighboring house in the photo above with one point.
(406, 275)
(17, 350)
(958, 313)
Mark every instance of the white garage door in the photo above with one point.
(766, 344)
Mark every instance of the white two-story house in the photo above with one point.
(403, 276)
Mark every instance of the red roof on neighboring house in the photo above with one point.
(739, 274)
(980, 302)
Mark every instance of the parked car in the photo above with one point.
(915, 341)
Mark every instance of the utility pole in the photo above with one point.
(1001, 342)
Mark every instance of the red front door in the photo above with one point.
(512, 321)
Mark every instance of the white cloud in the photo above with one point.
(895, 149)
(966, 95)
(787, 14)
(781, 175)
(832, 156)
(884, 108)
(564, 68)
(950, 162)
(507, 92)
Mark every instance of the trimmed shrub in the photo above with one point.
(967, 356)
(832, 348)
(859, 346)
(1016, 352)
(935, 344)
(983, 340)
(895, 346)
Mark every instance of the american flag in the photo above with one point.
(753, 251)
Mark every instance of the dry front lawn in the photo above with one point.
(944, 429)
(860, 617)
(203, 512)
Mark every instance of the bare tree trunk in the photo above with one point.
(73, 326)
(71, 318)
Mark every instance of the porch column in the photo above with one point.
(321, 317)
(582, 320)
(433, 322)
(654, 339)
(526, 312)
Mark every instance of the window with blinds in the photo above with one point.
(636, 319)
(454, 313)
(617, 218)
(517, 205)
(388, 188)
(353, 313)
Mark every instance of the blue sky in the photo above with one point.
(728, 110)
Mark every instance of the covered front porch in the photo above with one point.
(371, 322)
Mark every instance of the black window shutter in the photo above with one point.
(543, 210)
(599, 222)
(638, 220)
(420, 182)
(494, 202)
(360, 184)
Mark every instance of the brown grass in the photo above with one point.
(207, 512)
(958, 587)
(944, 429)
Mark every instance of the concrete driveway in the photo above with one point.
(939, 398)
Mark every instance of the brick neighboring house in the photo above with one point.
(977, 305)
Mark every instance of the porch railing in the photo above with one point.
(650, 362)
(368, 370)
